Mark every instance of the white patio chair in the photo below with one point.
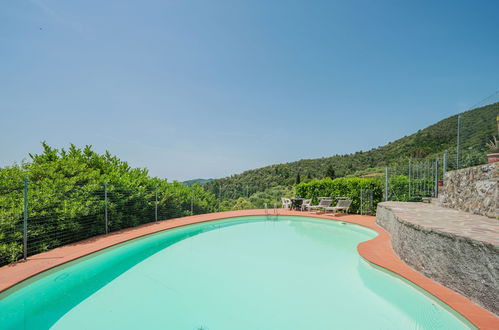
(306, 204)
(286, 203)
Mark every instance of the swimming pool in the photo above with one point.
(240, 273)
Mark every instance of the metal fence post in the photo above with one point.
(25, 222)
(371, 205)
(361, 208)
(409, 178)
(192, 201)
(436, 177)
(415, 189)
(105, 208)
(156, 205)
(444, 165)
(425, 178)
(386, 184)
(458, 140)
(219, 197)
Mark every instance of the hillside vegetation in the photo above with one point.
(74, 193)
(198, 181)
(477, 127)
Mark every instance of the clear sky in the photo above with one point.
(202, 88)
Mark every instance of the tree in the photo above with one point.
(67, 197)
(330, 172)
(298, 179)
(242, 204)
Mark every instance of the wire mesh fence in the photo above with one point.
(474, 132)
(419, 178)
(466, 158)
(11, 221)
(414, 180)
(36, 217)
(229, 200)
(62, 214)
(366, 201)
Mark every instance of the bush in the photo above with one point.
(66, 199)
(341, 187)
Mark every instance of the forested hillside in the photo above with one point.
(477, 127)
(198, 181)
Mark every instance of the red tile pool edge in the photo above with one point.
(377, 251)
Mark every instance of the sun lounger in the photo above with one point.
(322, 205)
(342, 205)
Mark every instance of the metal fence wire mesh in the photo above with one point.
(11, 221)
(414, 180)
(58, 214)
(366, 203)
(474, 128)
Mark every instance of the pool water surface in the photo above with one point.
(240, 273)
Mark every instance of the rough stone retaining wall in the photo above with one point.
(472, 189)
(464, 265)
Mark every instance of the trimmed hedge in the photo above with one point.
(398, 189)
(341, 187)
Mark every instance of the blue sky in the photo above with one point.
(211, 88)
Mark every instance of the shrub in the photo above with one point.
(66, 199)
(341, 187)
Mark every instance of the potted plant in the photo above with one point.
(493, 146)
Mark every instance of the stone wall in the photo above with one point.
(472, 189)
(462, 264)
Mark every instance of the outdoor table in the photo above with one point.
(296, 203)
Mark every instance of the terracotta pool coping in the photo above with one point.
(377, 251)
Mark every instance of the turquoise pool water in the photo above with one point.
(242, 273)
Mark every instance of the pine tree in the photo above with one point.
(330, 172)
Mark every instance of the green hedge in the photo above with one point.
(398, 189)
(341, 187)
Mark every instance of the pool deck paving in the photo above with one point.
(448, 221)
(377, 251)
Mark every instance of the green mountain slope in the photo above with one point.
(193, 181)
(477, 127)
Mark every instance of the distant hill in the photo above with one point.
(199, 181)
(478, 125)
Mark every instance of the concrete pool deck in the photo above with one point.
(378, 251)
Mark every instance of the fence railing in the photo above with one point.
(36, 218)
(366, 205)
(416, 178)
